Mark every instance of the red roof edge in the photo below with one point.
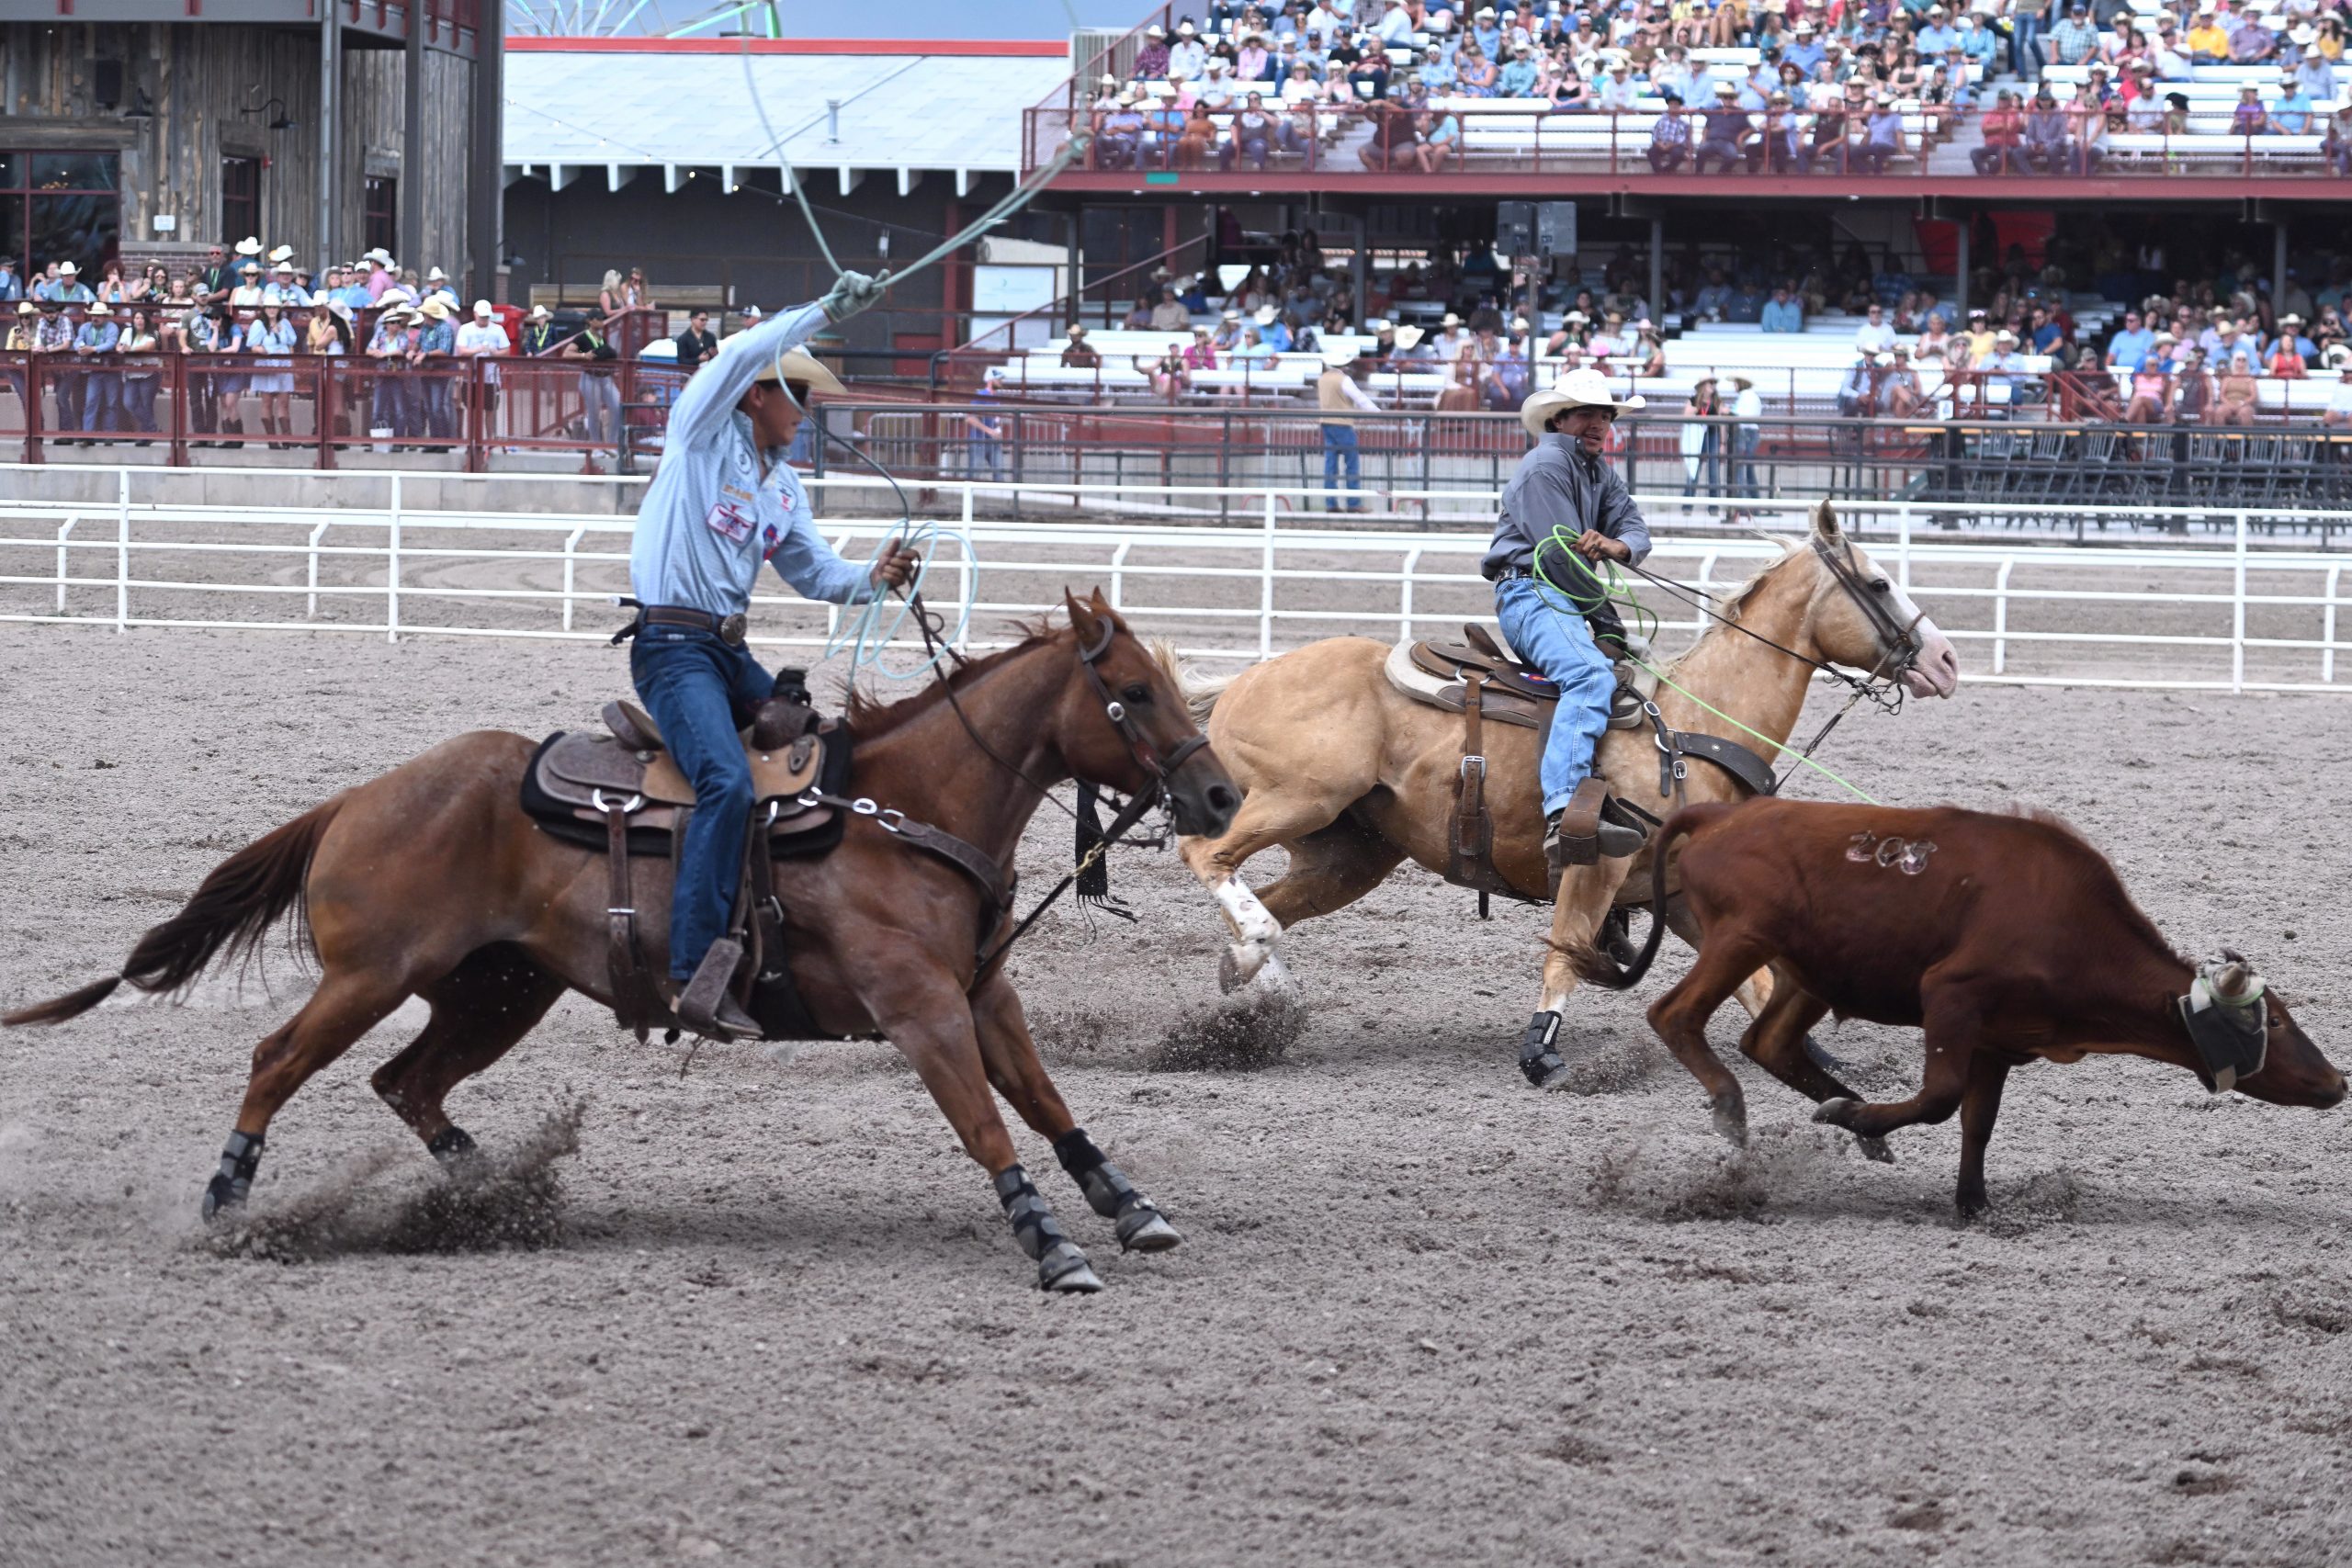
(995, 49)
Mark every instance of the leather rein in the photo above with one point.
(1900, 639)
(974, 862)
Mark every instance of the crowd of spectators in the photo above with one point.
(1849, 85)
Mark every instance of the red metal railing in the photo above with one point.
(1513, 136)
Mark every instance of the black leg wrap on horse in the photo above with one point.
(1110, 1194)
(233, 1182)
(1538, 1055)
(1034, 1227)
(449, 1145)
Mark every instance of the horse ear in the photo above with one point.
(1081, 615)
(1824, 522)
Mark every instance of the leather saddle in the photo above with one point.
(586, 772)
(1437, 673)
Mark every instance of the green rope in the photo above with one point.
(1608, 585)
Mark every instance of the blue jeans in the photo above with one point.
(1557, 640)
(1339, 447)
(692, 683)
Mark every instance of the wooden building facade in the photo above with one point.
(142, 130)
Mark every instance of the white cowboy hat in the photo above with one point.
(1265, 315)
(435, 274)
(283, 253)
(800, 365)
(1576, 390)
(1338, 358)
(539, 313)
(377, 255)
(249, 247)
(1408, 337)
(67, 269)
(1450, 319)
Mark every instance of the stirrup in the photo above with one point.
(1590, 826)
(705, 1006)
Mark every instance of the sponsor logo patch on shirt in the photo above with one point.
(730, 519)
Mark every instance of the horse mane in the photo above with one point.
(1728, 605)
(870, 717)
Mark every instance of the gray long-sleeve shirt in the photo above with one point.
(1558, 486)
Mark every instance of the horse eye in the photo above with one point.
(1138, 692)
(1881, 585)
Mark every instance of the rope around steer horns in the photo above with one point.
(1612, 589)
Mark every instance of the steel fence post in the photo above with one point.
(64, 549)
(122, 550)
(571, 570)
(1903, 547)
(2327, 628)
(392, 569)
(1118, 574)
(2237, 611)
(2001, 614)
(1404, 594)
(310, 602)
(1266, 587)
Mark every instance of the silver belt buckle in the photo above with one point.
(730, 629)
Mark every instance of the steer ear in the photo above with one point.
(1824, 522)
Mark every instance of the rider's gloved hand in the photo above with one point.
(853, 292)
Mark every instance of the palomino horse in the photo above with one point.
(431, 882)
(1352, 777)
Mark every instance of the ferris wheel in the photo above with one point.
(647, 18)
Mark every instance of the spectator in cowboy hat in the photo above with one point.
(1151, 60)
(1566, 490)
(1272, 331)
(539, 332)
(1078, 354)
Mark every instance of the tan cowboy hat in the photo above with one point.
(1576, 390)
(1742, 382)
(1410, 337)
(436, 307)
(1075, 333)
(1338, 358)
(101, 309)
(799, 367)
(539, 313)
(1450, 319)
(26, 308)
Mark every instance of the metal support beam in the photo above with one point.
(963, 184)
(850, 178)
(1959, 287)
(909, 179)
(485, 205)
(671, 178)
(330, 243)
(560, 175)
(2278, 258)
(1657, 269)
(1071, 278)
(412, 239)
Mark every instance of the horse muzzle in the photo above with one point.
(1202, 796)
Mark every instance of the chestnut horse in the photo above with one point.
(1352, 777)
(431, 882)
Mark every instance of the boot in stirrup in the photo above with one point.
(1590, 826)
(704, 1004)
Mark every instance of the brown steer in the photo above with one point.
(2004, 937)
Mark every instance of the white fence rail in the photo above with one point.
(2239, 614)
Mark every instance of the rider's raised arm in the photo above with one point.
(709, 398)
(804, 560)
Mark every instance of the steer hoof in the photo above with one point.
(1835, 1112)
(1873, 1149)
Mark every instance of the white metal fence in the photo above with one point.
(2238, 614)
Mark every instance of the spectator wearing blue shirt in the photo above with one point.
(1517, 79)
(1783, 314)
(1805, 53)
(2316, 74)
(1745, 305)
(1489, 36)
(2290, 115)
(66, 289)
(101, 391)
(1272, 330)
(1981, 46)
(11, 291)
(1938, 35)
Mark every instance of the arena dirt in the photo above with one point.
(766, 1313)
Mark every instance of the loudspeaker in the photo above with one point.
(105, 82)
(1556, 229)
(1515, 228)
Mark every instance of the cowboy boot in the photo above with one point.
(704, 1004)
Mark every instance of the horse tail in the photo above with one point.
(1201, 692)
(1597, 966)
(231, 912)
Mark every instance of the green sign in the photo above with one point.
(1162, 179)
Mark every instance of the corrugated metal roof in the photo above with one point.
(588, 109)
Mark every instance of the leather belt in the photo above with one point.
(729, 629)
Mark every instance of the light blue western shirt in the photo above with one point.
(712, 515)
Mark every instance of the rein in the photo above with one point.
(1162, 772)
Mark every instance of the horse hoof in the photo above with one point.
(1872, 1149)
(453, 1149)
(1155, 1235)
(1834, 1113)
(220, 1194)
(1730, 1121)
(1234, 970)
(1065, 1271)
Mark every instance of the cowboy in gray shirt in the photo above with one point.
(1564, 491)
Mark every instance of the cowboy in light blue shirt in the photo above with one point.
(10, 289)
(722, 504)
(2317, 76)
(2290, 115)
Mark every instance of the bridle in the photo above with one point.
(1881, 684)
(1162, 771)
